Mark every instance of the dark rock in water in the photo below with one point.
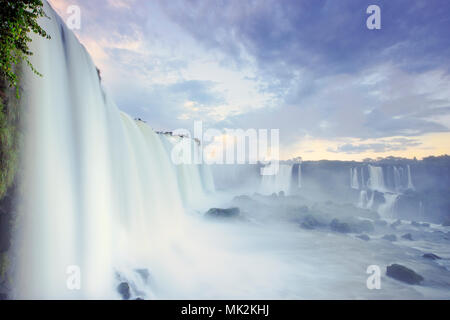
(124, 290)
(417, 224)
(396, 224)
(310, 222)
(431, 256)
(223, 213)
(341, 227)
(144, 273)
(281, 194)
(363, 226)
(380, 223)
(139, 299)
(404, 274)
(390, 237)
(407, 236)
(364, 237)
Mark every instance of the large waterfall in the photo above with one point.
(99, 190)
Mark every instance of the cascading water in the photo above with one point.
(299, 175)
(376, 179)
(354, 182)
(99, 189)
(386, 210)
(410, 184)
(278, 182)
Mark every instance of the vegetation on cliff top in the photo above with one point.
(18, 18)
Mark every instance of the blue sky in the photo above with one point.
(310, 68)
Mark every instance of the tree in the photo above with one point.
(17, 19)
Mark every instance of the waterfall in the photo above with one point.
(387, 209)
(397, 179)
(299, 175)
(354, 182)
(278, 182)
(99, 189)
(363, 200)
(376, 179)
(410, 184)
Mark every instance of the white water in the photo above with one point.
(410, 184)
(386, 210)
(354, 182)
(376, 179)
(100, 190)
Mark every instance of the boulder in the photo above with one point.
(309, 222)
(223, 213)
(362, 226)
(124, 290)
(407, 236)
(431, 256)
(390, 237)
(396, 224)
(341, 227)
(364, 237)
(404, 274)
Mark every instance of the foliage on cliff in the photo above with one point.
(18, 18)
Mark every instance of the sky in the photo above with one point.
(310, 68)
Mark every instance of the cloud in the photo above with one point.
(379, 147)
(310, 68)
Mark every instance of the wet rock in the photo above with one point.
(404, 274)
(281, 194)
(341, 227)
(431, 256)
(407, 236)
(417, 224)
(310, 223)
(143, 273)
(364, 237)
(390, 237)
(124, 290)
(396, 224)
(223, 213)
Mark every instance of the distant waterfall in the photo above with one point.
(376, 178)
(279, 182)
(410, 184)
(354, 182)
(100, 192)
